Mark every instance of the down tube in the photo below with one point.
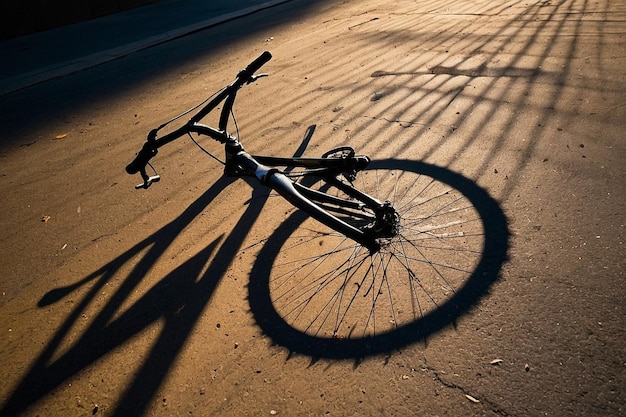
(285, 188)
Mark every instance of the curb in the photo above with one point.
(29, 79)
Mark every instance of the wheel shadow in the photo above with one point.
(494, 254)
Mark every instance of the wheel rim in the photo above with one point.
(420, 280)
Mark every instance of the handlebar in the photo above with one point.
(150, 148)
(254, 66)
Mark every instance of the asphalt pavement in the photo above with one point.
(122, 302)
(36, 58)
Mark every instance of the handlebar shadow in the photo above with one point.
(186, 286)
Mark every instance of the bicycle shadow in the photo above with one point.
(179, 298)
(494, 254)
(177, 301)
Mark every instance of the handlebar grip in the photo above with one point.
(255, 65)
(141, 160)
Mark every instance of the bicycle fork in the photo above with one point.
(240, 163)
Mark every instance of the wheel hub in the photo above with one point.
(387, 222)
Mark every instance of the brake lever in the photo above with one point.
(256, 77)
(147, 180)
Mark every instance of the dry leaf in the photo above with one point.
(61, 136)
(496, 362)
(45, 219)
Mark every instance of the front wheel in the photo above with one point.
(322, 287)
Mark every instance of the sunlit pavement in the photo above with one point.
(123, 302)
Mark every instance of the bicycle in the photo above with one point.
(373, 247)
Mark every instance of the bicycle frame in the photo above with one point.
(239, 163)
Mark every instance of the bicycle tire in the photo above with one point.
(326, 295)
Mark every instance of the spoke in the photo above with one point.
(304, 263)
(412, 277)
(339, 319)
(318, 283)
(326, 285)
(410, 187)
(338, 294)
(435, 267)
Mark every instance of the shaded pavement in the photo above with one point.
(36, 58)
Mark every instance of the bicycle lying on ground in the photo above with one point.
(373, 247)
